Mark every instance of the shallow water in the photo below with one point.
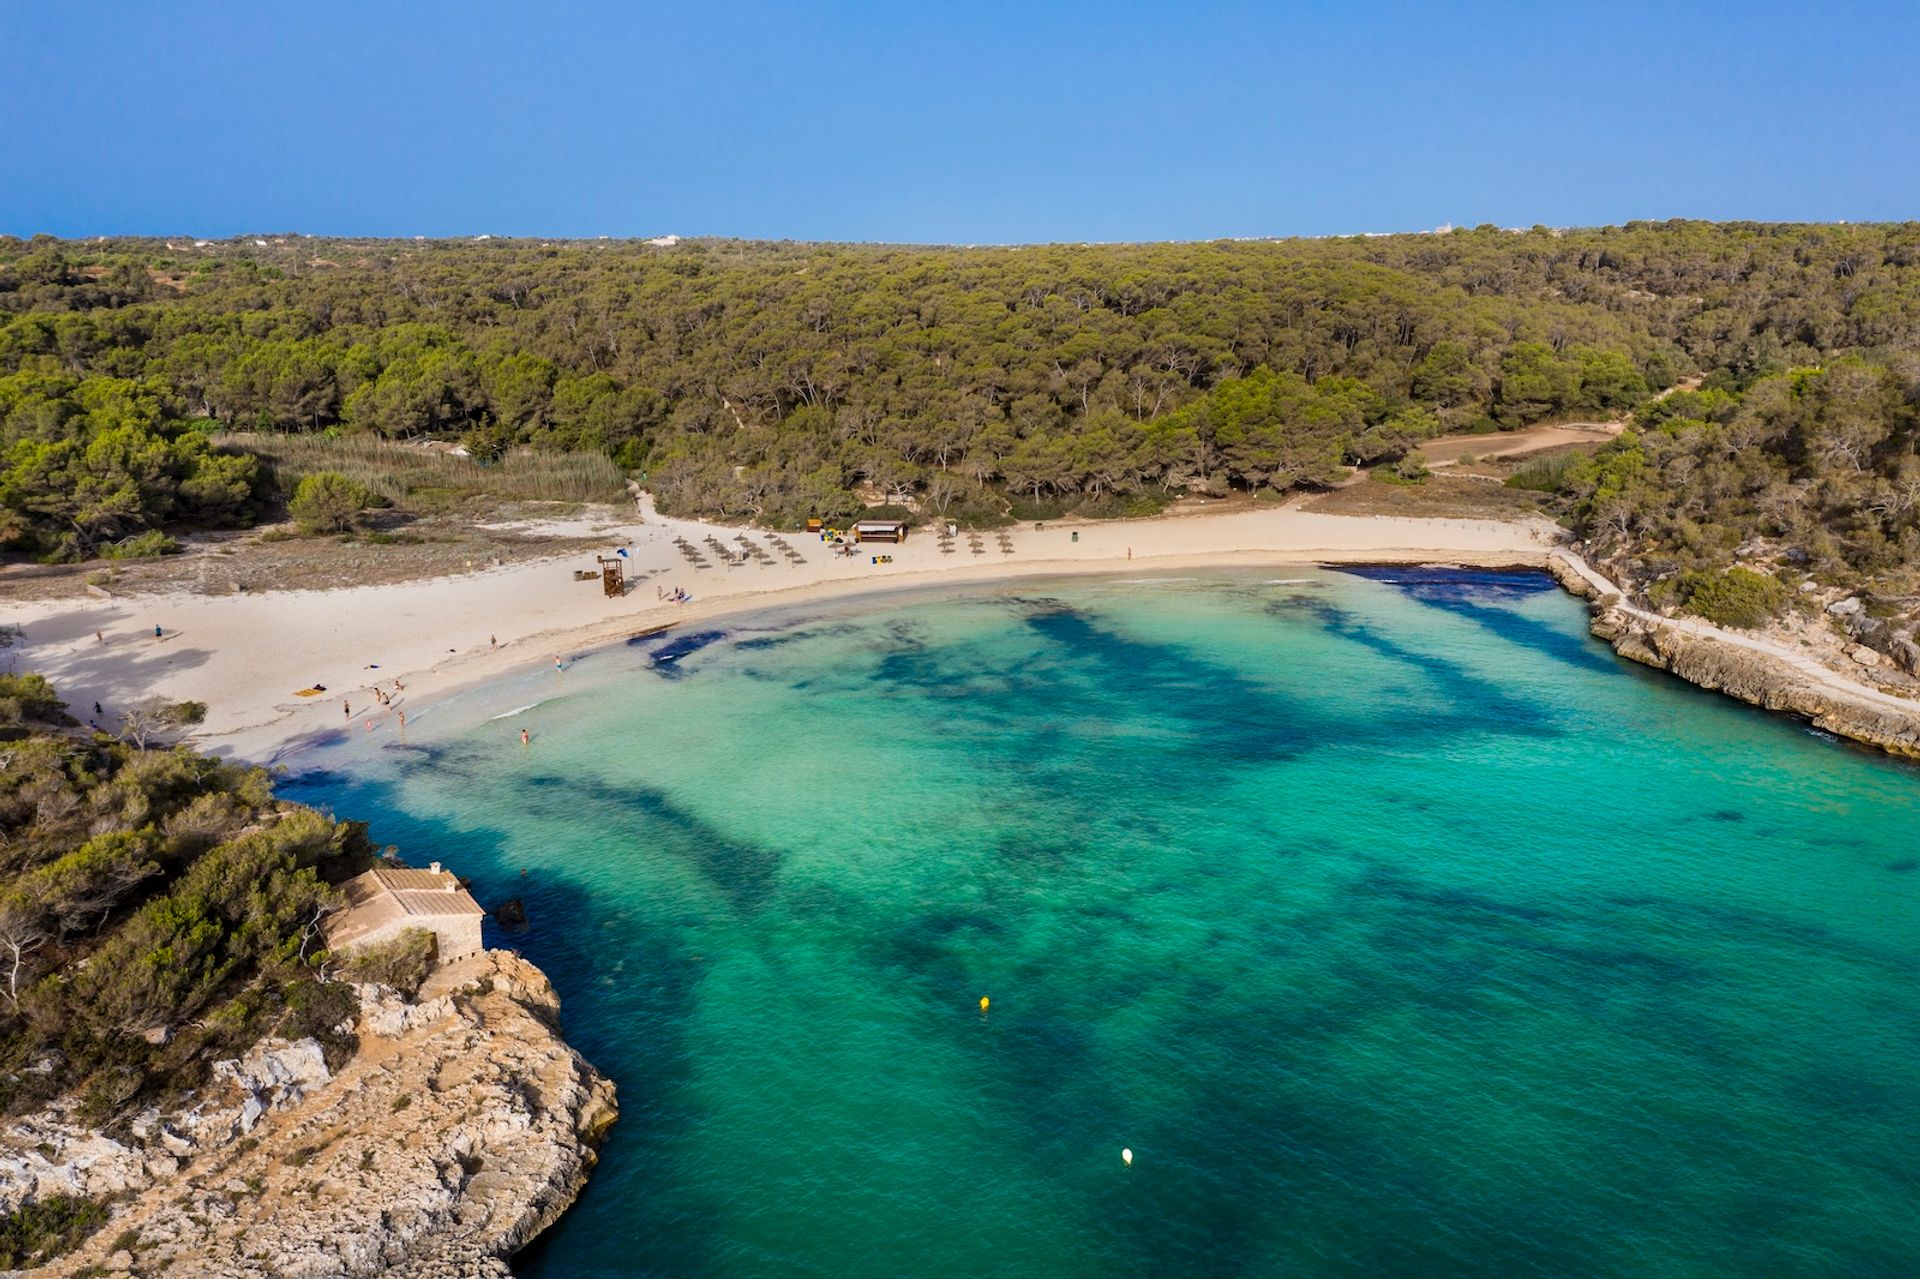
(1394, 924)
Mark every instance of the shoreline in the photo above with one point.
(247, 655)
(1747, 668)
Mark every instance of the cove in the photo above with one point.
(1393, 923)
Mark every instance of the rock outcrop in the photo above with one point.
(461, 1128)
(1695, 654)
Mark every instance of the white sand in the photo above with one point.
(246, 655)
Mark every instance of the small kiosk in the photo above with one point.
(880, 531)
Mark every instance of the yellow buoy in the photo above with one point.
(983, 1003)
(1126, 1157)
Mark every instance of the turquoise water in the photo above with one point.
(1394, 924)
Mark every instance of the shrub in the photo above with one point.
(316, 1010)
(141, 546)
(1737, 597)
(1411, 468)
(30, 699)
(328, 502)
(42, 1230)
(402, 963)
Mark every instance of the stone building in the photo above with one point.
(386, 901)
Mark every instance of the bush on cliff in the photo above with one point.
(39, 1231)
(402, 963)
(1737, 597)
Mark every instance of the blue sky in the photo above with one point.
(950, 122)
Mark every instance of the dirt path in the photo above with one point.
(1449, 449)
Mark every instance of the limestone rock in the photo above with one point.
(1905, 653)
(1570, 579)
(462, 1128)
(274, 1066)
(386, 1014)
(1757, 678)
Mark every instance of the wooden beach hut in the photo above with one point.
(880, 531)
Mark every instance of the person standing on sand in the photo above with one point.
(99, 638)
(156, 630)
(346, 708)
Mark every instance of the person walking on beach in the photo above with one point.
(99, 638)
(492, 642)
(346, 708)
(156, 630)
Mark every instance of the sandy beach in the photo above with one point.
(247, 655)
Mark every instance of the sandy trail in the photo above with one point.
(1449, 449)
(246, 655)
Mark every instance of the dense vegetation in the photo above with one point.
(767, 378)
(158, 910)
(777, 380)
(1810, 474)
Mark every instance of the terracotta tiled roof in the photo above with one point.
(381, 896)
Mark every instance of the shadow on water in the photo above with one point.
(1478, 596)
(1470, 702)
(740, 871)
(663, 659)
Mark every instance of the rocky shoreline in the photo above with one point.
(1696, 654)
(461, 1128)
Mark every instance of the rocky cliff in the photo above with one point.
(461, 1128)
(1693, 652)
